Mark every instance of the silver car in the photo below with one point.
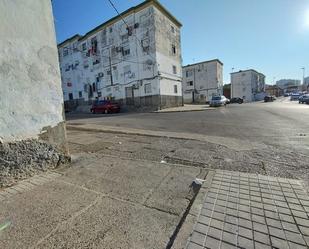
(218, 101)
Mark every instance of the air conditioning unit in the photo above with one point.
(100, 75)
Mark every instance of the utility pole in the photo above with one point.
(231, 84)
(110, 67)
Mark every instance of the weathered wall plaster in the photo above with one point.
(30, 84)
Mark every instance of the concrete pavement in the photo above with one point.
(99, 202)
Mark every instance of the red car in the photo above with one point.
(105, 106)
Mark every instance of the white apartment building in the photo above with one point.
(285, 83)
(248, 84)
(200, 81)
(136, 62)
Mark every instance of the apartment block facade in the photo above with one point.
(248, 84)
(202, 80)
(135, 60)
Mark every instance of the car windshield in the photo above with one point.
(216, 98)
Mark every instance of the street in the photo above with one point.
(281, 123)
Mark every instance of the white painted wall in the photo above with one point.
(248, 85)
(206, 77)
(30, 91)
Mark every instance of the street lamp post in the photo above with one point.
(303, 68)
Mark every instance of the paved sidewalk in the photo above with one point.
(252, 211)
(186, 108)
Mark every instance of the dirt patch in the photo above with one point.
(22, 159)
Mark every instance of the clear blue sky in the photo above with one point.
(271, 36)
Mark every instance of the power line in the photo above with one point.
(141, 44)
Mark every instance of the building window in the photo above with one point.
(189, 73)
(190, 83)
(173, 49)
(84, 46)
(110, 29)
(126, 51)
(174, 69)
(172, 29)
(80, 94)
(75, 47)
(147, 88)
(65, 52)
(93, 87)
(126, 70)
(70, 96)
(175, 89)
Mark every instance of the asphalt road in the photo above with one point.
(280, 123)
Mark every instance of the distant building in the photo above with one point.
(202, 80)
(248, 84)
(274, 90)
(306, 81)
(137, 63)
(288, 84)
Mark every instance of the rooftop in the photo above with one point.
(202, 62)
(116, 18)
(247, 70)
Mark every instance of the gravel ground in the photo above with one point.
(19, 160)
(272, 160)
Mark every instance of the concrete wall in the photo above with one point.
(31, 102)
(248, 84)
(206, 80)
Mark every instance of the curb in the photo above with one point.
(183, 237)
(196, 110)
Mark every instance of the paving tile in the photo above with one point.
(201, 228)
(262, 237)
(245, 243)
(274, 223)
(290, 227)
(245, 232)
(297, 246)
(212, 242)
(300, 214)
(229, 238)
(261, 246)
(295, 237)
(279, 243)
(276, 232)
(304, 230)
(217, 224)
(192, 245)
(302, 221)
(198, 238)
(215, 233)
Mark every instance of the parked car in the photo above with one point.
(303, 99)
(269, 98)
(218, 101)
(228, 101)
(294, 96)
(105, 106)
(237, 100)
